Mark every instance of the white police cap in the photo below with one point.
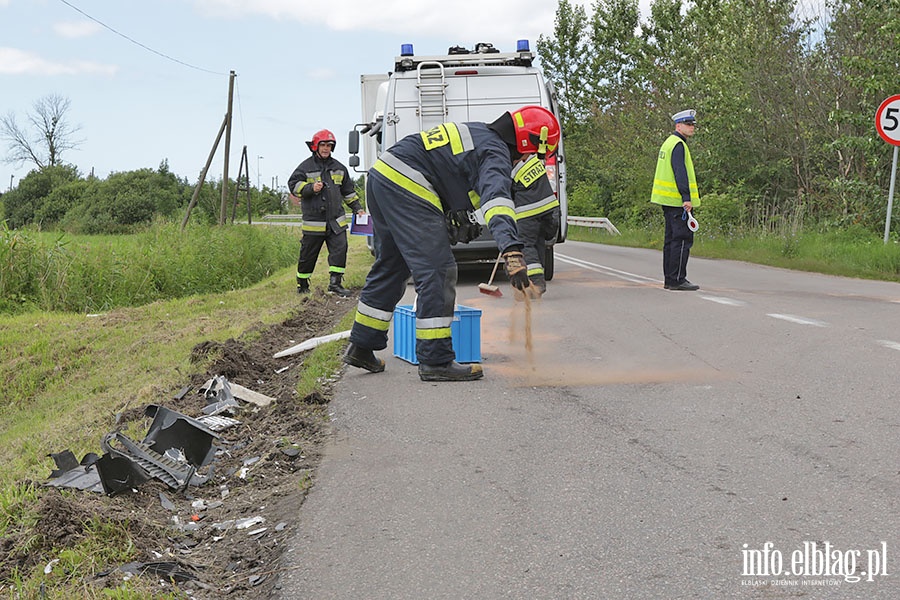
(685, 116)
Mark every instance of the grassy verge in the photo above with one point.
(66, 376)
(848, 254)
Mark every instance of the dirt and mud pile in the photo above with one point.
(224, 538)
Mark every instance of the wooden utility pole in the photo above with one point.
(227, 147)
(242, 185)
(225, 128)
(199, 185)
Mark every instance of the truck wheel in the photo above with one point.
(548, 262)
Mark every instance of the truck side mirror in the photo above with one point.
(354, 161)
(353, 142)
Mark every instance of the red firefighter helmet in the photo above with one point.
(537, 130)
(320, 136)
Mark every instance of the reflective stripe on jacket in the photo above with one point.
(532, 193)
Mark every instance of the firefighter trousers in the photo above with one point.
(410, 239)
(535, 231)
(311, 245)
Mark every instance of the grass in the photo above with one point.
(66, 375)
(854, 253)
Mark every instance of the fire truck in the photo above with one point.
(462, 85)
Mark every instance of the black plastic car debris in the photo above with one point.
(143, 460)
(73, 474)
(173, 430)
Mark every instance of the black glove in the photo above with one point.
(516, 270)
(462, 226)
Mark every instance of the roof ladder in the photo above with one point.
(432, 94)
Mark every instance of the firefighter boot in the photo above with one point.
(302, 285)
(335, 286)
(451, 371)
(363, 358)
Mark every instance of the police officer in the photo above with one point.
(422, 193)
(323, 185)
(537, 215)
(675, 189)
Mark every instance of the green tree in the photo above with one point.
(22, 203)
(563, 57)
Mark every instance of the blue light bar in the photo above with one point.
(406, 50)
(522, 46)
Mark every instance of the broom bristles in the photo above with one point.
(490, 290)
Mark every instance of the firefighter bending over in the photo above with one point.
(422, 193)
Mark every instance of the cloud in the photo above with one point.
(76, 29)
(19, 62)
(497, 21)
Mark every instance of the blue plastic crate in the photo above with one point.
(465, 331)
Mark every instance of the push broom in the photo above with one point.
(488, 288)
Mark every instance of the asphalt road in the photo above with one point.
(742, 441)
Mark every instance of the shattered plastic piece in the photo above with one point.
(218, 422)
(166, 503)
(248, 395)
(48, 568)
(251, 461)
(168, 570)
(255, 580)
(249, 522)
(282, 370)
(143, 463)
(72, 474)
(280, 526)
(173, 430)
(312, 343)
(256, 531)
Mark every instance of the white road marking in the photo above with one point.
(798, 320)
(727, 301)
(890, 344)
(632, 277)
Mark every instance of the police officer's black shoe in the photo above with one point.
(451, 371)
(363, 358)
(684, 286)
(335, 286)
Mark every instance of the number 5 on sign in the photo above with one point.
(887, 122)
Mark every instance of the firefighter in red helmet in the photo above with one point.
(323, 185)
(421, 193)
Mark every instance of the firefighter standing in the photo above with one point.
(675, 188)
(537, 215)
(323, 185)
(422, 193)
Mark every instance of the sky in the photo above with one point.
(148, 81)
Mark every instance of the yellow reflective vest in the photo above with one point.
(665, 189)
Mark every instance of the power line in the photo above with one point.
(133, 41)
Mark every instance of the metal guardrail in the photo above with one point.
(599, 222)
(282, 217)
(593, 222)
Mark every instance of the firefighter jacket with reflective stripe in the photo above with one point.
(323, 212)
(665, 187)
(457, 166)
(532, 193)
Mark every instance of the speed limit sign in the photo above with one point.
(887, 120)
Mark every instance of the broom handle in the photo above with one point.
(496, 264)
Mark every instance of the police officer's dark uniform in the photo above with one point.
(420, 193)
(324, 218)
(675, 189)
(537, 215)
